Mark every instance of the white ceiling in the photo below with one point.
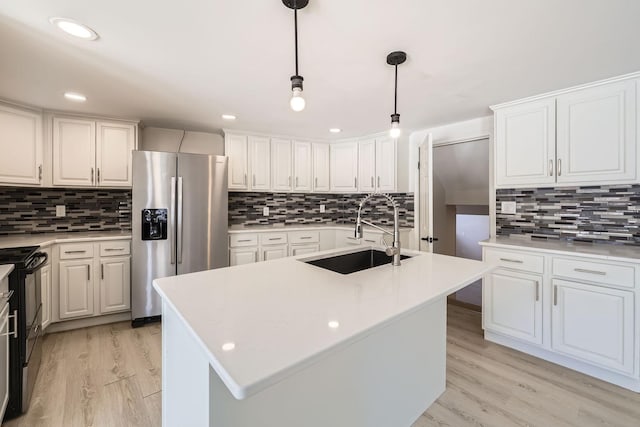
(182, 64)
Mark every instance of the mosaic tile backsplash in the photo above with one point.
(33, 210)
(607, 214)
(299, 208)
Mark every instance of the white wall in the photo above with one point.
(161, 139)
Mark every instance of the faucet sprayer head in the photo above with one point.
(358, 232)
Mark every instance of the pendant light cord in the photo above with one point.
(295, 24)
(395, 94)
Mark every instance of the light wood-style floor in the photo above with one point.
(110, 376)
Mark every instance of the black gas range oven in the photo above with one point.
(25, 343)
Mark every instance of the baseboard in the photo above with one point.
(69, 325)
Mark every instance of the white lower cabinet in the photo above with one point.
(4, 360)
(239, 256)
(594, 323)
(273, 252)
(115, 284)
(76, 288)
(304, 249)
(513, 304)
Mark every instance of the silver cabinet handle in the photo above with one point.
(306, 237)
(244, 240)
(355, 182)
(172, 219)
(370, 241)
(113, 249)
(316, 182)
(583, 270)
(537, 290)
(245, 179)
(517, 261)
(550, 167)
(378, 181)
(88, 272)
(371, 181)
(92, 180)
(555, 295)
(271, 238)
(179, 235)
(254, 179)
(559, 167)
(98, 178)
(102, 271)
(40, 173)
(297, 182)
(74, 252)
(289, 181)
(15, 326)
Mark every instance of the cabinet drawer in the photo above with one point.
(273, 238)
(76, 250)
(243, 239)
(304, 237)
(515, 260)
(608, 274)
(121, 247)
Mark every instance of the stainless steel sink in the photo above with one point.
(354, 261)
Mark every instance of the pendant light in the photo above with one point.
(395, 59)
(297, 101)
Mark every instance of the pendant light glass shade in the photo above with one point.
(395, 131)
(297, 101)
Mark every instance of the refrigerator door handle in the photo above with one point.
(179, 220)
(172, 220)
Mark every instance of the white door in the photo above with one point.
(304, 249)
(45, 292)
(525, 144)
(320, 167)
(114, 144)
(4, 360)
(302, 170)
(597, 134)
(367, 166)
(344, 167)
(281, 166)
(386, 165)
(425, 191)
(594, 323)
(20, 135)
(115, 284)
(259, 163)
(239, 256)
(76, 289)
(513, 304)
(74, 152)
(273, 252)
(237, 151)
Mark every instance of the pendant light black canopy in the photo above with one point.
(395, 59)
(297, 101)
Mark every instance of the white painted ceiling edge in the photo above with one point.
(183, 66)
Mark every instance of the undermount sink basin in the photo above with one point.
(354, 261)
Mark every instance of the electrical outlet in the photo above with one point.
(508, 208)
(322, 208)
(61, 210)
(265, 211)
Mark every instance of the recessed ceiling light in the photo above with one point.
(335, 130)
(73, 96)
(228, 117)
(334, 324)
(74, 28)
(228, 346)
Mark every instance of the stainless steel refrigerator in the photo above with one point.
(179, 222)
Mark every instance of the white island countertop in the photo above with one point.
(260, 323)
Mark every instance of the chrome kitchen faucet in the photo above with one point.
(394, 249)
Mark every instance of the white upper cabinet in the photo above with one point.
(386, 160)
(367, 165)
(344, 167)
(259, 164)
(114, 144)
(302, 170)
(281, 165)
(320, 167)
(580, 136)
(597, 134)
(21, 135)
(74, 152)
(525, 144)
(237, 151)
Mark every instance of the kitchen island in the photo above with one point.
(285, 343)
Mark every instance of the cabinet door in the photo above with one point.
(597, 134)
(76, 289)
(513, 304)
(259, 164)
(114, 144)
(525, 144)
(74, 152)
(21, 136)
(344, 167)
(304, 249)
(302, 166)
(273, 252)
(239, 256)
(237, 151)
(320, 167)
(115, 284)
(386, 165)
(45, 292)
(346, 238)
(367, 165)
(281, 165)
(4, 360)
(594, 323)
